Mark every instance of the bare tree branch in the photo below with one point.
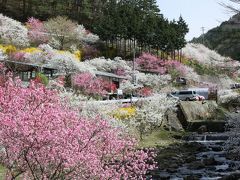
(230, 7)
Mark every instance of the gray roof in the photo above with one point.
(30, 64)
(101, 73)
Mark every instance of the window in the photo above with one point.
(186, 92)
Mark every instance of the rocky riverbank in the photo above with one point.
(201, 158)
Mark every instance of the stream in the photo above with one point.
(201, 157)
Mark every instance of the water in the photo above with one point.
(209, 164)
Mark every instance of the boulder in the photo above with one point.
(196, 165)
(202, 129)
(210, 161)
(231, 176)
(172, 122)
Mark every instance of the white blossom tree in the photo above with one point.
(109, 65)
(226, 96)
(128, 87)
(86, 36)
(66, 33)
(150, 113)
(62, 31)
(156, 82)
(203, 55)
(2, 55)
(13, 32)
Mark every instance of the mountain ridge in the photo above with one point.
(225, 38)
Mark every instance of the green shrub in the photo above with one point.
(42, 78)
(203, 69)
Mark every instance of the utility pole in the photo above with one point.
(134, 81)
(134, 68)
(203, 35)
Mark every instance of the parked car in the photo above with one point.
(184, 95)
(235, 86)
(181, 80)
(171, 95)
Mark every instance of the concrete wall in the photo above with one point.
(196, 114)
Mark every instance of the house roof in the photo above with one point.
(46, 66)
(107, 74)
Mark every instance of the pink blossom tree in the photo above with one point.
(120, 71)
(41, 137)
(145, 91)
(175, 68)
(37, 33)
(150, 62)
(18, 56)
(91, 85)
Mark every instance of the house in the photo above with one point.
(115, 79)
(27, 71)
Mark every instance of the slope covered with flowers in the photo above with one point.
(35, 120)
(204, 55)
(213, 68)
(34, 143)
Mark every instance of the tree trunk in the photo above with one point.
(3, 4)
(112, 44)
(130, 46)
(62, 42)
(29, 9)
(120, 45)
(116, 46)
(24, 8)
(125, 47)
(181, 55)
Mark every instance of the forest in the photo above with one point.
(123, 25)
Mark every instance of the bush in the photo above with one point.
(41, 78)
(124, 113)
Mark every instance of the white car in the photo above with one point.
(184, 95)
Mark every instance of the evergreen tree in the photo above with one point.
(115, 21)
(182, 30)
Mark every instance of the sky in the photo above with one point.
(196, 13)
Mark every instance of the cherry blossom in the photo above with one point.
(42, 137)
(36, 31)
(90, 85)
(13, 32)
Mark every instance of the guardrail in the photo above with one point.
(131, 100)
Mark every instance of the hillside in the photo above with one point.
(62, 105)
(225, 39)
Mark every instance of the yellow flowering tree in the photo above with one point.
(124, 113)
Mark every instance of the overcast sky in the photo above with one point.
(197, 13)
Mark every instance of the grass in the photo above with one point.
(161, 137)
(204, 69)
